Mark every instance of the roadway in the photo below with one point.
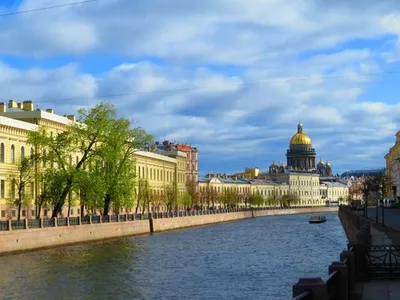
(392, 216)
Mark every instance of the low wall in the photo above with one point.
(182, 222)
(294, 211)
(175, 223)
(37, 238)
(29, 239)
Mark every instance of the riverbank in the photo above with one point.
(27, 239)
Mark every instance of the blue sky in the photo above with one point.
(232, 74)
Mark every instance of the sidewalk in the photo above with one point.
(381, 289)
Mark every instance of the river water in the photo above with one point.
(249, 259)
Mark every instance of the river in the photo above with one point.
(248, 259)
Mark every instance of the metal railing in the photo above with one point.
(96, 219)
(343, 274)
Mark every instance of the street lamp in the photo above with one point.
(377, 205)
(381, 186)
(366, 201)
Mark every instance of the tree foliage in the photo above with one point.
(256, 200)
(93, 157)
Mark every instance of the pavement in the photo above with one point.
(383, 289)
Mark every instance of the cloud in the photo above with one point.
(231, 78)
(221, 31)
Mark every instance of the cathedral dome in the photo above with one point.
(300, 138)
(328, 165)
(321, 164)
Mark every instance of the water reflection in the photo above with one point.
(249, 259)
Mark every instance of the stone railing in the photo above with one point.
(95, 219)
(343, 274)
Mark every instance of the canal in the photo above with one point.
(249, 259)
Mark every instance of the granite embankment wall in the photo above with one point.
(351, 222)
(12, 241)
(182, 222)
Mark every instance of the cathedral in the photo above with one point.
(301, 157)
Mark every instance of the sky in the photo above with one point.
(230, 77)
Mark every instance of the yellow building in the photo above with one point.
(17, 119)
(211, 187)
(161, 172)
(393, 169)
(334, 191)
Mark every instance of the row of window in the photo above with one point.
(14, 189)
(159, 174)
(12, 153)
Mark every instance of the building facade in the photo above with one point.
(18, 119)
(192, 162)
(392, 159)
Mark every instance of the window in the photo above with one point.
(72, 211)
(12, 154)
(3, 213)
(33, 213)
(13, 213)
(2, 188)
(24, 213)
(22, 152)
(2, 152)
(79, 211)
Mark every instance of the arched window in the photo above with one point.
(12, 154)
(2, 154)
(22, 152)
(70, 160)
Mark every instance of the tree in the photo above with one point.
(230, 198)
(292, 199)
(118, 167)
(211, 195)
(256, 199)
(97, 137)
(191, 188)
(142, 192)
(171, 196)
(24, 177)
(186, 200)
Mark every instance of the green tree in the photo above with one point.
(230, 198)
(185, 199)
(171, 196)
(26, 175)
(256, 200)
(191, 188)
(97, 137)
(142, 192)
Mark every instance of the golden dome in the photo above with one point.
(300, 138)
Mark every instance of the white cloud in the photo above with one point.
(235, 77)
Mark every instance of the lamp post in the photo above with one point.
(382, 186)
(366, 201)
(377, 206)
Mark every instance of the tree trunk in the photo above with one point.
(82, 210)
(137, 206)
(107, 202)
(19, 210)
(58, 206)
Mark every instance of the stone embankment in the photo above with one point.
(16, 237)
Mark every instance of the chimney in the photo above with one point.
(3, 107)
(27, 105)
(71, 117)
(19, 105)
(12, 104)
(50, 110)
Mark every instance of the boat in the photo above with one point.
(317, 219)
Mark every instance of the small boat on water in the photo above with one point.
(317, 219)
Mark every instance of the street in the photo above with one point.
(392, 216)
